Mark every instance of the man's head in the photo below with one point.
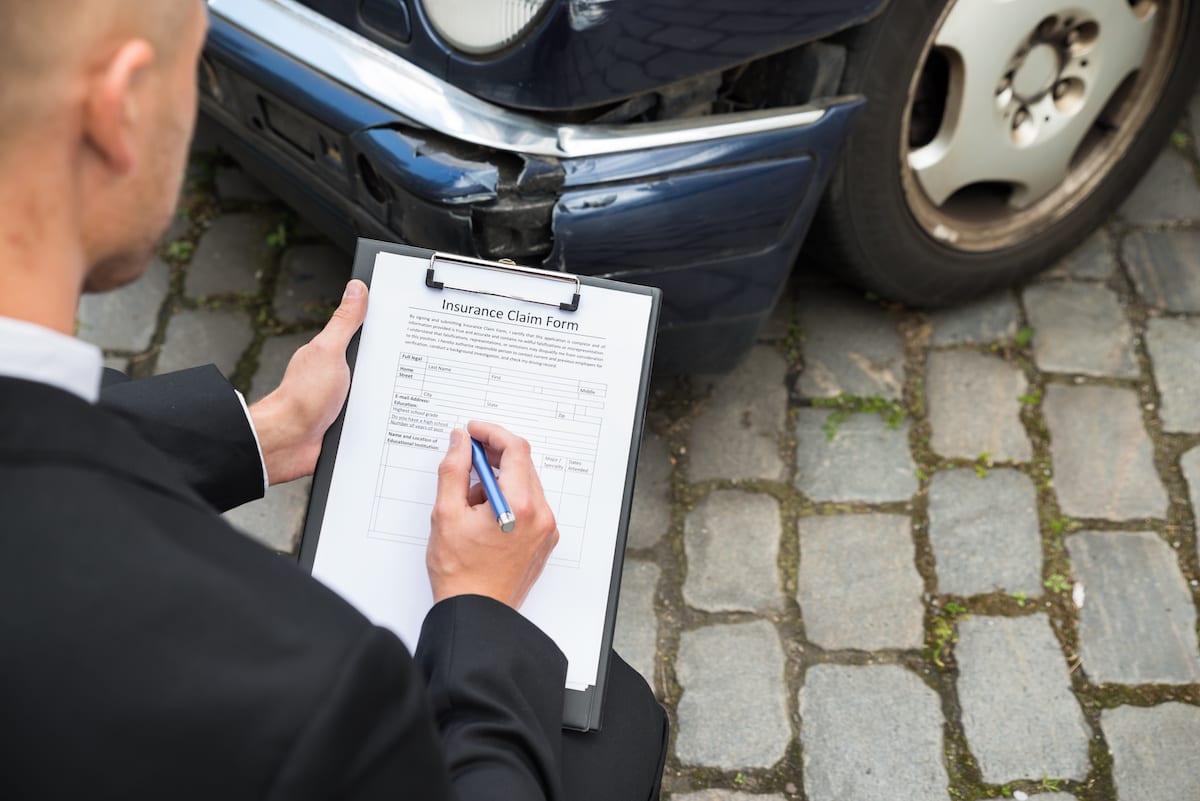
(97, 104)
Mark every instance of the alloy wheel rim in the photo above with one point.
(1020, 108)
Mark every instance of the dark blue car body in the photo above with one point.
(364, 121)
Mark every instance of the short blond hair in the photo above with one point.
(42, 41)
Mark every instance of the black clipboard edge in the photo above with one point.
(582, 709)
(588, 706)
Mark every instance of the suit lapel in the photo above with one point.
(40, 424)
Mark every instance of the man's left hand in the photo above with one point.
(292, 420)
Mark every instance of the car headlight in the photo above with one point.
(481, 26)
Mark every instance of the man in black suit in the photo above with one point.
(149, 651)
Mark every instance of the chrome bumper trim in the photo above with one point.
(405, 88)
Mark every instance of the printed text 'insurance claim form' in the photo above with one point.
(432, 360)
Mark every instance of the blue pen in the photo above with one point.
(504, 515)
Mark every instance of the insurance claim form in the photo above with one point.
(429, 361)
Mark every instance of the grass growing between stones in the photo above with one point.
(842, 406)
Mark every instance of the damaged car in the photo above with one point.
(928, 150)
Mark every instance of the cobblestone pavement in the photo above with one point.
(893, 555)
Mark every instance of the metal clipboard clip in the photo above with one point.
(506, 267)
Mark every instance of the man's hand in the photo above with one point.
(292, 420)
(468, 554)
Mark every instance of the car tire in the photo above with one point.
(875, 226)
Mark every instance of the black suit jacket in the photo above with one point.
(150, 651)
(194, 417)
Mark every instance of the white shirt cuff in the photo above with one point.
(257, 444)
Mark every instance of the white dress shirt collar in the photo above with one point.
(34, 353)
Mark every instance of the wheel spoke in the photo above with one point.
(979, 36)
(964, 152)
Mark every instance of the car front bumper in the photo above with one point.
(712, 210)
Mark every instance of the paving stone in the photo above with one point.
(1165, 268)
(233, 184)
(118, 363)
(1094, 260)
(1137, 624)
(201, 337)
(272, 363)
(311, 281)
(1019, 715)
(865, 461)
(980, 322)
(732, 712)
(737, 434)
(1168, 192)
(850, 346)
(1174, 347)
(650, 516)
(636, 635)
(278, 519)
(125, 318)
(725, 795)
(1154, 751)
(731, 540)
(231, 255)
(1080, 328)
(858, 585)
(871, 734)
(984, 532)
(1103, 459)
(974, 406)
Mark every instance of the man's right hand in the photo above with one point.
(468, 554)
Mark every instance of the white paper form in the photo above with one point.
(431, 360)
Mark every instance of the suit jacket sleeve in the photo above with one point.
(487, 726)
(497, 686)
(195, 417)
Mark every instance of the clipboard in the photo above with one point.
(467, 282)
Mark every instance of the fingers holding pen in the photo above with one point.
(467, 552)
(454, 472)
(511, 455)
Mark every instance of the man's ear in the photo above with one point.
(110, 111)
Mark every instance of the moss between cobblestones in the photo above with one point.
(674, 409)
(671, 409)
(1178, 529)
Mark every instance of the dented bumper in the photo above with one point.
(711, 210)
